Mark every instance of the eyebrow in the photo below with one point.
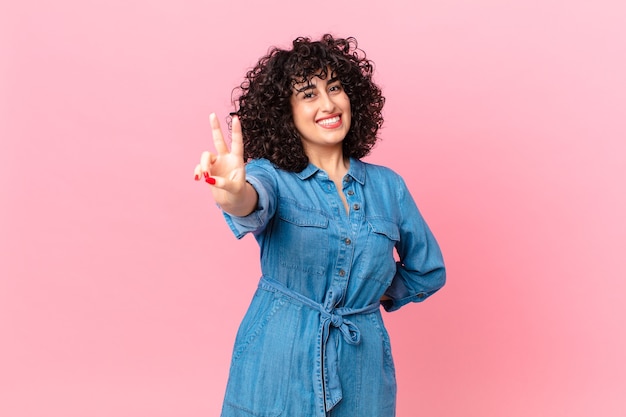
(309, 85)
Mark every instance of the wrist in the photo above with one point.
(242, 203)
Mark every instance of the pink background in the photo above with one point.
(121, 288)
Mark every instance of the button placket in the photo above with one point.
(347, 226)
(354, 220)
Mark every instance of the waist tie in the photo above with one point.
(329, 315)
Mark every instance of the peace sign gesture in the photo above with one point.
(225, 171)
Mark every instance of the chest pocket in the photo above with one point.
(302, 234)
(378, 262)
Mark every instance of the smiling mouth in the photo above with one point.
(330, 122)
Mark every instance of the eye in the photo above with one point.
(308, 94)
(335, 88)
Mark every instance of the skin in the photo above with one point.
(316, 105)
(322, 116)
(311, 103)
(225, 171)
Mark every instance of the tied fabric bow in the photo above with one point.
(331, 317)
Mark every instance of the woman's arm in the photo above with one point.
(225, 171)
(420, 271)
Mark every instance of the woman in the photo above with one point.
(313, 342)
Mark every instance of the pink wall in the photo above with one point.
(121, 288)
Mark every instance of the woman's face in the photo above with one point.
(321, 113)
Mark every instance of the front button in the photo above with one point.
(342, 273)
(348, 241)
(350, 192)
(356, 206)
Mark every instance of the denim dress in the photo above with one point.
(313, 342)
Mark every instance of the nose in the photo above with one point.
(326, 102)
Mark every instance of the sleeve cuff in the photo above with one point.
(242, 225)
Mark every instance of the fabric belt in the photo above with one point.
(330, 315)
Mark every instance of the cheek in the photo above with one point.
(303, 114)
(346, 104)
(347, 110)
(296, 114)
(296, 110)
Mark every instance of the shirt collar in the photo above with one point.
(307, 172)
(356, 171)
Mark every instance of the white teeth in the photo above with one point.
(330, 121)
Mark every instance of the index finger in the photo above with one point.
(218, 138)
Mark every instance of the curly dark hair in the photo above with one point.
(264, 106)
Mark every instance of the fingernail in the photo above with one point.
(197, 177)
(206, 175)
(210, 180)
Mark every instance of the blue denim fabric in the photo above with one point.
(313, 342)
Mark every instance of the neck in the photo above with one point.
(334, 164)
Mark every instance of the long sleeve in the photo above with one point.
(420, 271)
(259, 175)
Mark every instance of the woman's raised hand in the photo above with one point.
(225, 171)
